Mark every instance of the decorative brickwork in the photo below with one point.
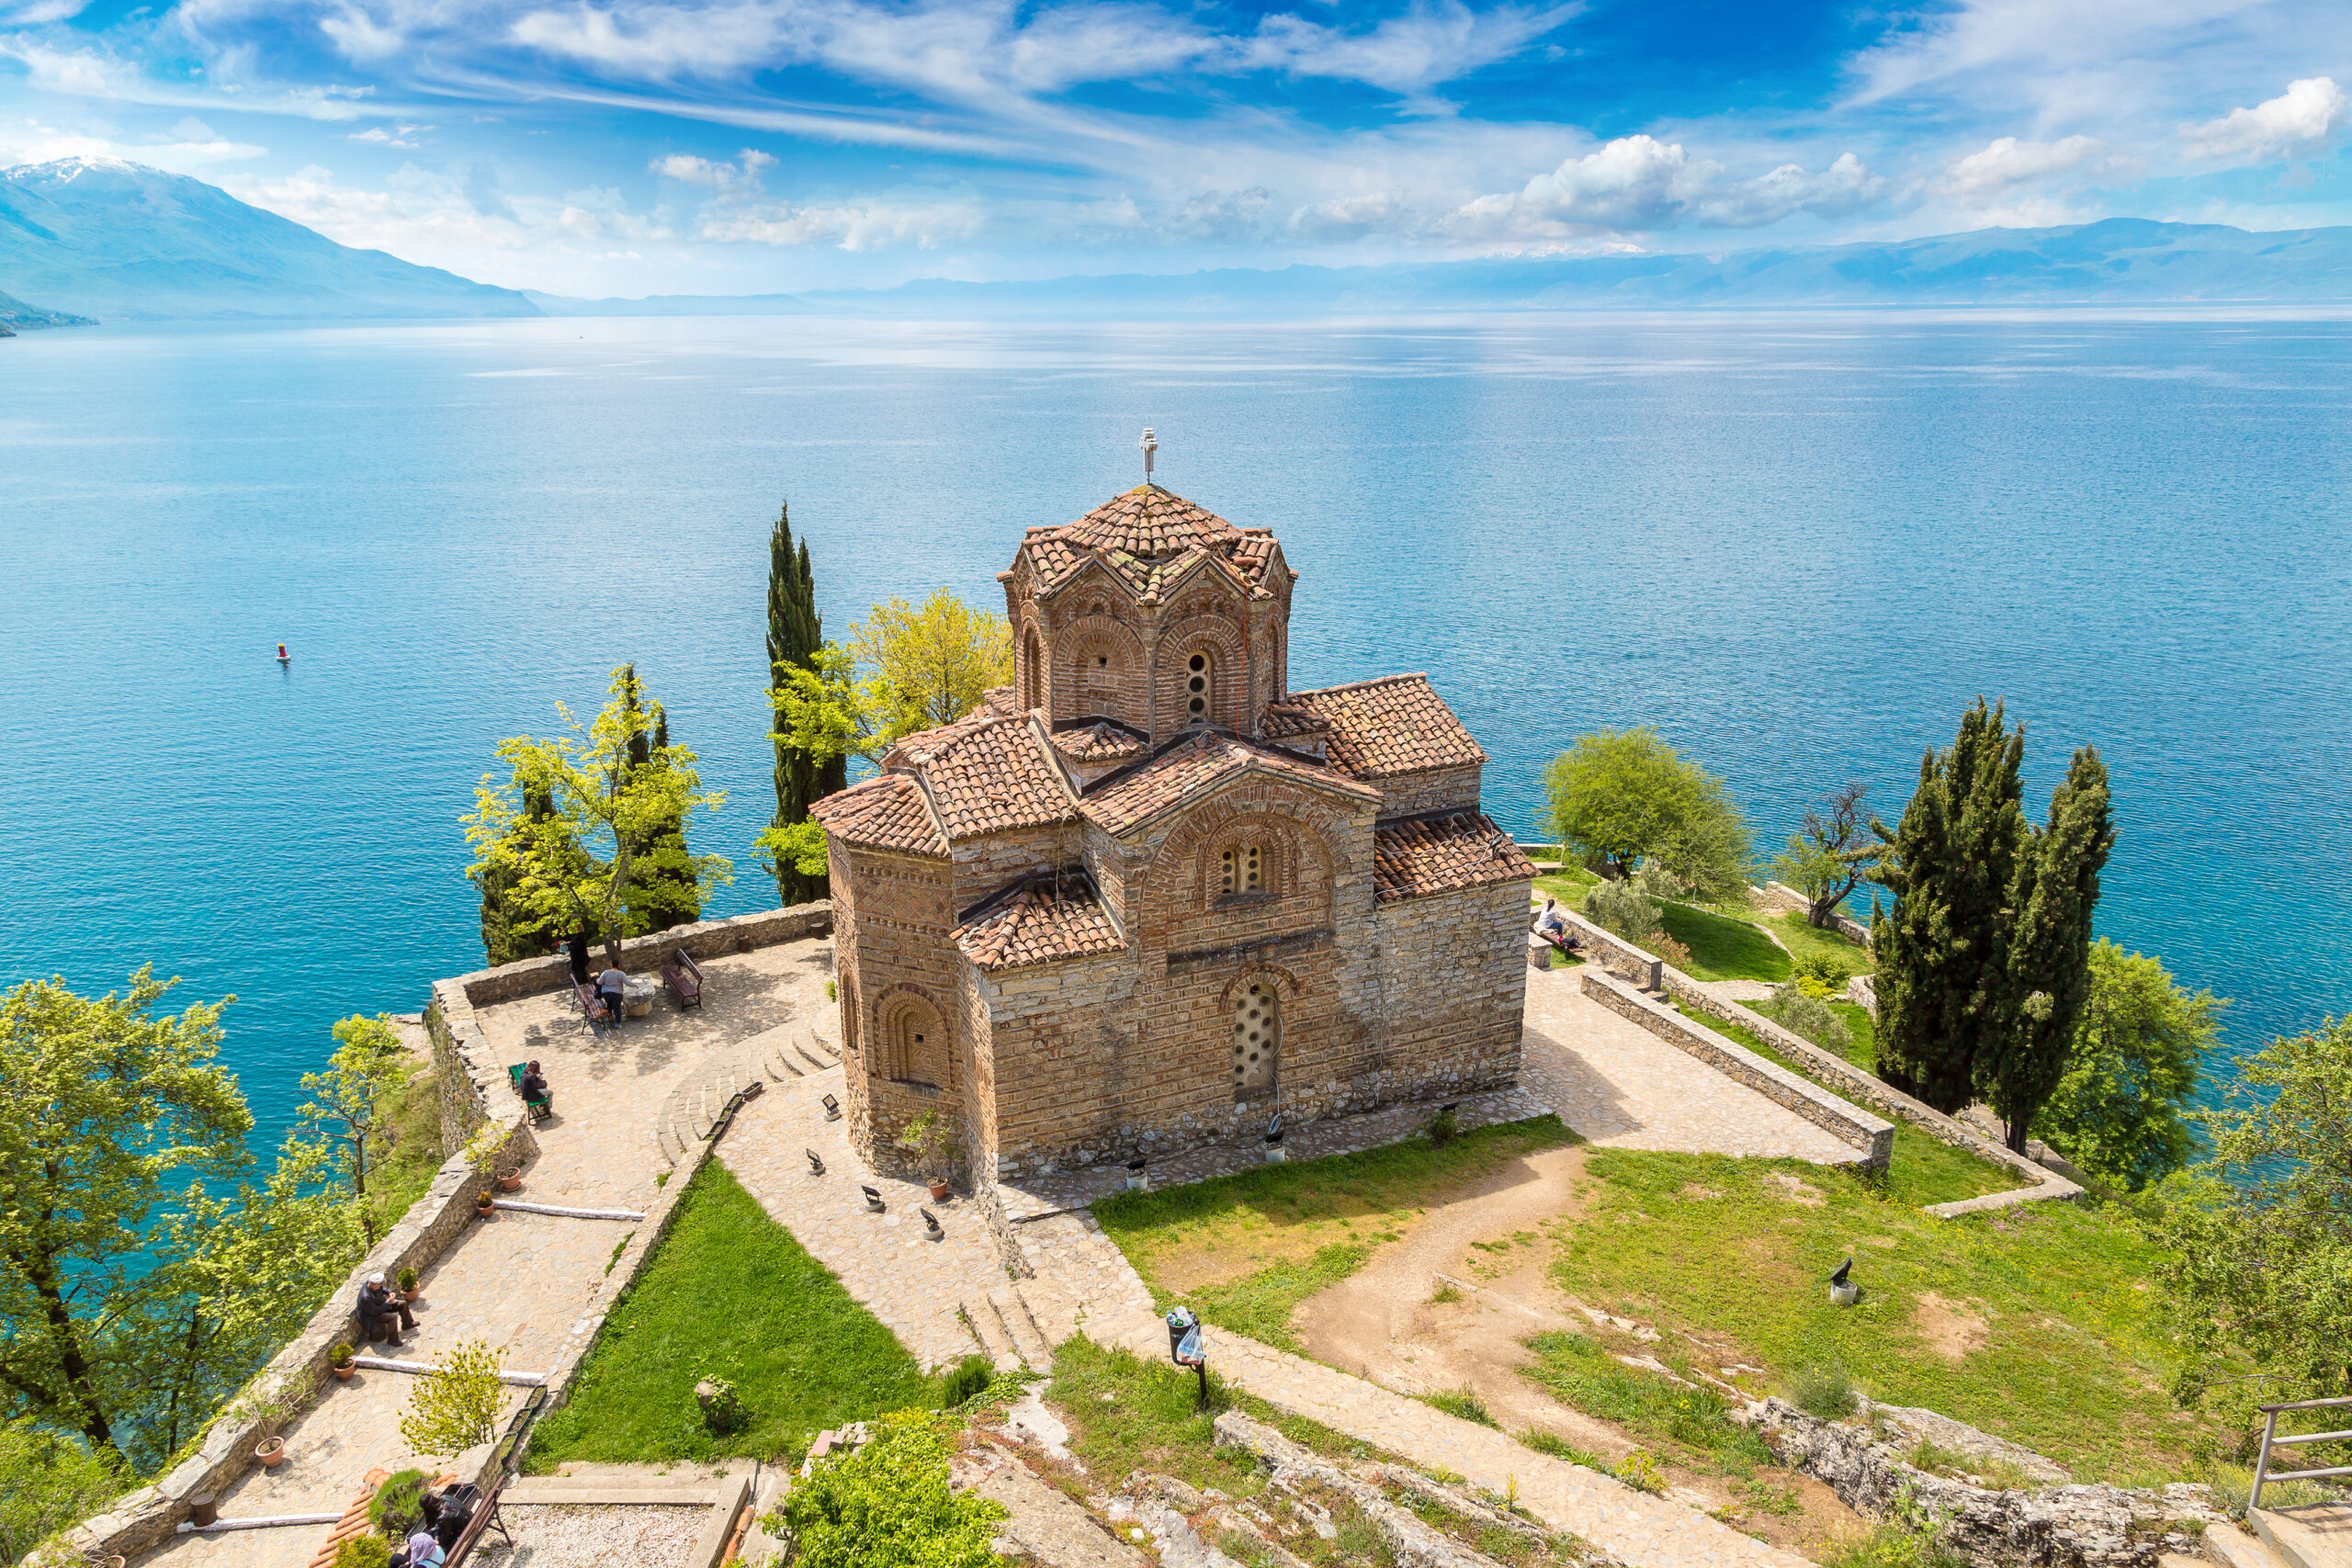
(1144, 898)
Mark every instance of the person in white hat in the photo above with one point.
(383, 1312)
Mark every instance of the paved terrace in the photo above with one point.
(528, 1283)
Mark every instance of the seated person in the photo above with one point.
(1552, 926)
(612, 986)
(535, 1084)
(383, 1312)
(424, 1551)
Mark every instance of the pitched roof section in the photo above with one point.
(1036, 923)
(1148, 538)
(1098, 743)
(1201, 763)
(991, 776)
(1287, 720)
(1396, 725)
(888, 813)
(1442, 855)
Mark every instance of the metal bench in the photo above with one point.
(542, 1108)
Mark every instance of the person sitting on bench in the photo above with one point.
(612, 986)
(535, 1086)
(1552, 926)
(424, 1550)
(383, 1312)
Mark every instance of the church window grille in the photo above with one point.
(1198, 675)
(1242, 869)
(1257, 1036)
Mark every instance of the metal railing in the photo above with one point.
(2263, 1474)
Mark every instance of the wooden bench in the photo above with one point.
(684, 977)
(542, 1108)
(591, 1005)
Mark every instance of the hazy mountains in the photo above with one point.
(2122, 260)
(98, 237)
(15, 316)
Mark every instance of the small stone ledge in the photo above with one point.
(1848, 1123)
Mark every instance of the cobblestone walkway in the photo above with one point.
(1623, 1087)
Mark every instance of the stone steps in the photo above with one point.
(2233, 1548)
(990, 1329)
(1020, 1325)
(2307, 1535)
(781, 1055)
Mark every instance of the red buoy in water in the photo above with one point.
(283, 656)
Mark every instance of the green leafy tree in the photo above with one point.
(1626, 798)
(928, 665)
(48, 1483)
(1942, 951)
(667, 895)
(501, 943)
(2138, 1049)
(2048, 947)
(101, 1102)
(455, 1405)
(803, 777)
(888, 1505)
(1829, 856)
(352, 1101)
(2258, 1237)
(616, 836)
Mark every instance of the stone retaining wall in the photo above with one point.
(1781, 898)
(1614, 952)
(1848, 1124)
(705, 939)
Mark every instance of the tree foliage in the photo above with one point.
(501, 943)
(2138, 1049)
(1829, 856)
(352, 1101)
(796, 638)
(48, 1483)
(610, 856)
(2259, 1236)
(1626, 797)
(888, 1505)
(455, 1406)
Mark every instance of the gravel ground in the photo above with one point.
(586, 1535)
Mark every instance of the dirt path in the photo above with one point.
(1381, 1322)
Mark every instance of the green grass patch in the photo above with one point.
(1578, 1372)
(730, 1293)
(1723, 947)
(1244, 1250)
(1802, 940)
(400, 1174)
(2070, 1359)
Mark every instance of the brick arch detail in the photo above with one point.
(896, 1058)
(1312, 829)
(1084, 636)
(1033, 666)
(1223, 641)
(1298, 849)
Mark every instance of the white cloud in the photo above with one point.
(400, 133)
(2298, 123)
(849, 226)
(1638, 182)
(32, 143)
(2008, 162)
(728, 179)
(1345, 218)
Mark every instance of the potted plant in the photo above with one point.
(406, 1280)
(930, 1138)
(267, 1409)
(484, 1203)
(510, 1178)
(271, 1451)
(339, 1358)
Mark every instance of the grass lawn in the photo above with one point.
(1243, 1251)
(1805, 941)
(402, 1174)
(2036, 1322)
(1723, 947)
(728, 1294)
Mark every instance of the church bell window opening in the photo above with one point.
(1198, 674)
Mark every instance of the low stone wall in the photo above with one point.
(1848, 1123)
(1781, 898)
(705, 939)
(1614, 952)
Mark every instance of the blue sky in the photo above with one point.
(727, 146)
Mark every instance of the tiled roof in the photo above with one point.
(1285, 720)
(990, 775)
(1036, 923)
(887, 813)
(1396, 725)
(1121, 802)
(995, 703)
(1440, 854)
(1148, 538)
(1098, 743)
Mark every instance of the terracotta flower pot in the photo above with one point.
(510, 1179)
(343, 1373)
(482, 1206)
(272, 1452)
(939, 1192)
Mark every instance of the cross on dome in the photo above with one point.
(1149, 443)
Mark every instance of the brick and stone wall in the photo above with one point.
(1453, 991)
(1424, 794)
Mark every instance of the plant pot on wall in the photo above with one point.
(271, 1452)
(339, 1361)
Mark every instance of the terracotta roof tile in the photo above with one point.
(1287, 719)
(1036, 923)
(1396, 725)
(1131, 797)
(1098, 743)
(887, 813)
(990, 775)
(1441, 854)
(1148, 538)
(995, 703)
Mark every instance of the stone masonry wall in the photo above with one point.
(1439, 789)
(705, 938)
(1453, 991)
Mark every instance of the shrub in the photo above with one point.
(1639, 1470)
(455, 1406)
(1444, 1127)
(722, 1412)
(1822, 1389)
(1820, 974)
(363, 1551)
(48, 1481)
(397, 1509)
(890, 1503)
(967, 1379)
(1674, 952)
(1622, 908)
(1810, 1017)
(1461, 1402)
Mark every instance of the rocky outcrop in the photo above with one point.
(2054, 1527)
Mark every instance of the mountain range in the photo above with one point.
(100, 237)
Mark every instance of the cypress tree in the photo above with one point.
(2055, 890)
(1943, 982)
(794, 634)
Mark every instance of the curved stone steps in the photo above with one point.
(775, 1056)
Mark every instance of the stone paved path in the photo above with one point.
(1623, 1087)
(528, 1283)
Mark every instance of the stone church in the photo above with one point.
(1148, 896)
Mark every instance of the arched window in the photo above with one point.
(1257, 1036)
(1099, 669)
(1242, 869)
(1032, 674)
(1199, 695)
(914, 1043)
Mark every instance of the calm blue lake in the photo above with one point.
(1798, 546)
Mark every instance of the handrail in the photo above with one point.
(2270, 1439)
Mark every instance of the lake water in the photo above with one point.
(1798, 546)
